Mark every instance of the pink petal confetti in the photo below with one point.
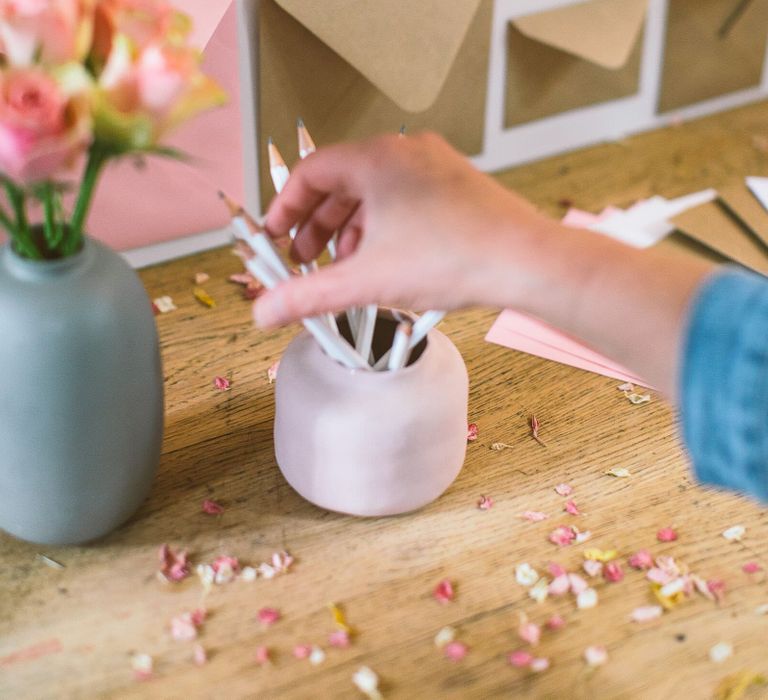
(485, 503)
(222, 383)
(302, 651)
(657, 575)
(225, 568)
(751, 567)
(717, 588)
(556, 569)
(472, 432)
(577, 584)
(533, 516)
(443, 592)
(173, 565)
(142, 666)
(646, 613)
(529, 632)
(268, 616)
(539, 665)
(455, 651)
(199, 655)
(641, 560)
(272, 371)
(198, 616)
(560, 585)
(572, 508)
(339, 639)
(613, 573)
(596, 655)
(243, 278)
(555, 623)
(520, 658)
(666, 534)
(592, 567)
(183, 628)
(262, 655)
(212, 508)
(201, 277)
(535, 426)
(564, 490)
(586, 599)
(562, 535)
(582, 537)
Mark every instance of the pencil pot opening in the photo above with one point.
(371, 443)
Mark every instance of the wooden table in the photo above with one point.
(71, 632)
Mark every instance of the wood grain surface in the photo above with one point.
(70, 633)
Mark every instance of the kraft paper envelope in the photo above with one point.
(572, 57)
(352, 68)
(699, 63)
(712, 226)
(744, 205)
(166, 199)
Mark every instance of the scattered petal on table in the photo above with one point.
(592, 567)
(272, 371)
(720, 652)
(445, 636)
(472, 432)
(212, 507)
(563, 535)
(735, 533)
(586, 599)
(572, 508)
(526, 575)
(603, 555)
(520, 658)
(443, 592)
(485, 503)
(142, 666)
(539, 665)
(751, 567)
(613, 573)
(596, 655)
(455, 651)
(367, 682)
(646, 613)
(339, 639)
(199, 655)
(203, 297)
(316, 656)
(222, 383)
(201, 277)
(564, 490)
(268, 616)
(533, 516)
(641, 560)
(618, 472)
(555, 622)
(666, 534)
(164, 304)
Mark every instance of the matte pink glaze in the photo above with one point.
(371, 443)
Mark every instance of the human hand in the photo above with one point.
(419, 228)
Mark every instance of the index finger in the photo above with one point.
(332, 170)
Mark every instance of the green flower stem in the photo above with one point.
(49, 216)
(96, 159)
(20, 232)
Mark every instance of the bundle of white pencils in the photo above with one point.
(265, 263)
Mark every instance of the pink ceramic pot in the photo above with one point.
(371, 443)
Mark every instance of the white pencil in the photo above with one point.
(366, 327)
(400, 351)
(421, 327)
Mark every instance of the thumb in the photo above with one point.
(332, 288)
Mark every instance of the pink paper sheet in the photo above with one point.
(526, 334)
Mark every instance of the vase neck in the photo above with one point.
(26, 268)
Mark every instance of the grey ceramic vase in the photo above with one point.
(81, 395)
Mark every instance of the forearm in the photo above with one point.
(630, 304)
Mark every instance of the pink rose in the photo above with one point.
(142, 22)
(42, 129)
(51, 31)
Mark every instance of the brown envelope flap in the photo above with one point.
(404, 48)
(601, 31)
(711, 225)
(743, 204)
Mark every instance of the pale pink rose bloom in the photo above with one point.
(51, 31)
(42, 132)
(143, 22)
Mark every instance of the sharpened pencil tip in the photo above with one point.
(299, 123)
(402, 130)
(269, 141)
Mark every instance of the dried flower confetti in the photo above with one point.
(582, 537)
(734, 686)
(592, 567)
(762, 609)
(367, 682)
(563, 535)
(201, 278)
(173, 565)
(184, 627)
(572, 508)
(618, 472)
(485, 503)
(142, 666)
(533, 516)
(666, 534)
(212, 507)
(472, 432)
(222, 383)
(455, 651)
(499, 446)
(556, 622)
(272, 371)
(302, 651)
(577, 584)
(203, 297)
(243, 278)
(316, 656)
(556, 569)
(443, 592)
(539, 665)
(626, 386)
(646, 613)
(641, 560)
(586, 599)
(717, 588)
(596, 655)
(520, 658)
(268, 616)
(339, 618)
(529, 632)
(613, 572)
(535, 426)
(720, 652)
(603, 555)
(526, 575)
(445, 636)
(539, 591)
(735, 533)
(751, 567)
(564, 490)
(164, 304)
(560, 585)
(199, 655)
(637, 399)
(225, 568)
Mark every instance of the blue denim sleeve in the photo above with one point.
(724, 382)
